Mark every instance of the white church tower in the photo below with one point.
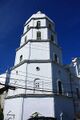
(38, 75)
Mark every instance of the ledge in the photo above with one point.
(37, 95)
(41, 27)
(39, 18)
(34, 40)
(31, 61)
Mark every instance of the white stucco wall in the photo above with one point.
(33, 51)
(18, 79)
(44, 106)
(13, 109)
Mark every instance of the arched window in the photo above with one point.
(37, 83)
(59, 85)
(21, 57)
(38, 24)
(38, 35)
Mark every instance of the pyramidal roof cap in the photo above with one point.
(39, 14)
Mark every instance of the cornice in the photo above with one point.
(34, 40)
(38, 19)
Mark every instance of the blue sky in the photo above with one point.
(14, 13)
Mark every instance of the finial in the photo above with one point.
(39, 12)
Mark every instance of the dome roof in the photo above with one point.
(39, 14)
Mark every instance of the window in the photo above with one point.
(59, 87)
(49, 26)
(25, 39)
(28, 27)
(38, 35)
(21, 57)
(36, 83)
(77, 92)
(52, 38)
(38, 24)
(55, 58)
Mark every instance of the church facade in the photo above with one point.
(43, 84)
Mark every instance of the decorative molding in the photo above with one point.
(31, 61)
(38, 19)
(37, 96)
(29, 95)
(34, 40)
(41, 27)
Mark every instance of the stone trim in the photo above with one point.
(38, 41)
(42, 27)
(31, 61)
(36, 96)
(29, 95)
(36, 61)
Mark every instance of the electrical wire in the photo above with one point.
(45, 82)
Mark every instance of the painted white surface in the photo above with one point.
(33, 51)
(44, 106)
(18, 79)
(13, 109)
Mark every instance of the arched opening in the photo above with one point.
(52, 38)
(21, 57)
(38, 85)
(38, 24)
(59, 87)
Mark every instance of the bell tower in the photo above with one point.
(32, 73)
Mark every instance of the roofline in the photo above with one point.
(33, 18)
